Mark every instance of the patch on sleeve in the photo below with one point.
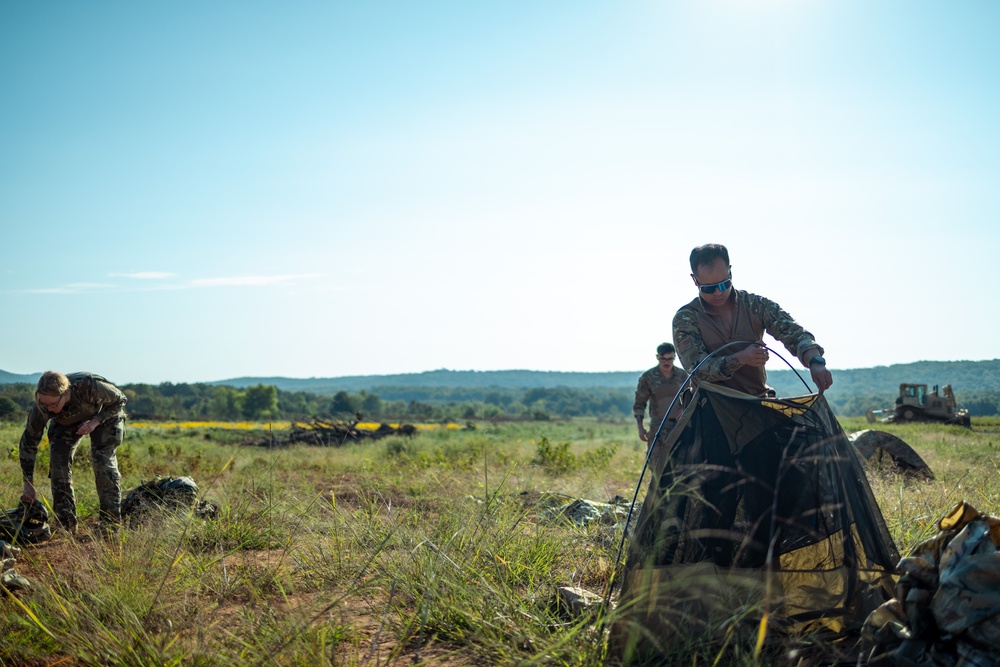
(684, 345)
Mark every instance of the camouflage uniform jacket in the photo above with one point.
(658, 391)
(91, 396)
(698, 332)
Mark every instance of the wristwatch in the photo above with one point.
(817, 360)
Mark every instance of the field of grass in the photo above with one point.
(398, 551)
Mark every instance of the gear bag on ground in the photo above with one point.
(25, 524)
(165, 493)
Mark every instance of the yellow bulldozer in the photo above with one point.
(916, 404)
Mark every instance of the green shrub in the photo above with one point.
(556, 458)
(600, 458)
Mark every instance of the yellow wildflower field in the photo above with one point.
(265, 426)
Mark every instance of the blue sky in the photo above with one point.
(198, 191)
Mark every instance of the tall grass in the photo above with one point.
(418, 551)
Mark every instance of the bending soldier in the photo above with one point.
(73, 406)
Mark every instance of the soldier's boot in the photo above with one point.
(66, 522)
(110, 515)
(109, 523)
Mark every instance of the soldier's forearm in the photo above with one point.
(810, 352)
(28, 468)
(27, 450)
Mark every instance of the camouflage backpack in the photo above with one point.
(163, 493)
(25, 524)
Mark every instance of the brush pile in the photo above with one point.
(329, 433)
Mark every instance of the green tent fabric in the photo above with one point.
(756, 506)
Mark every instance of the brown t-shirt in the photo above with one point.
(697, 333)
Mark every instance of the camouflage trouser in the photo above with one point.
(654, 427)
(104, 440)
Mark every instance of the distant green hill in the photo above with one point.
(12, 378)
(961, 375)
(513, 379)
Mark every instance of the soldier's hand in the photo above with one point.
(87, 427)
(643, 435)
(754, 355)
(821, 376)
(28, 493)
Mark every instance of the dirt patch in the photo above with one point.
(68, 560)
(64, 554)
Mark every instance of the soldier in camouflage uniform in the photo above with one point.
(75, 405)
(721, 314)
(658, 386)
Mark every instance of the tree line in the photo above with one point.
(398, 404)
(201, 401)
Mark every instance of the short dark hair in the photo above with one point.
(664, 348)
(708, 253)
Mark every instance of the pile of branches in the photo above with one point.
(330, 433)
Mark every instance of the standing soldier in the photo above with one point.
(658, 386)
(75, 405)
(721, 315)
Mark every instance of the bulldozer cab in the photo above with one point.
(913, 394)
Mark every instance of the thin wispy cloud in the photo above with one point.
(144, 275)
(72, 288)
(49, 290)
(199, 283)
(251, 281)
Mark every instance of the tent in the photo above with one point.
(887, 452)
(757, 508)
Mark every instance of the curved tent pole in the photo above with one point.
(649, 451)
